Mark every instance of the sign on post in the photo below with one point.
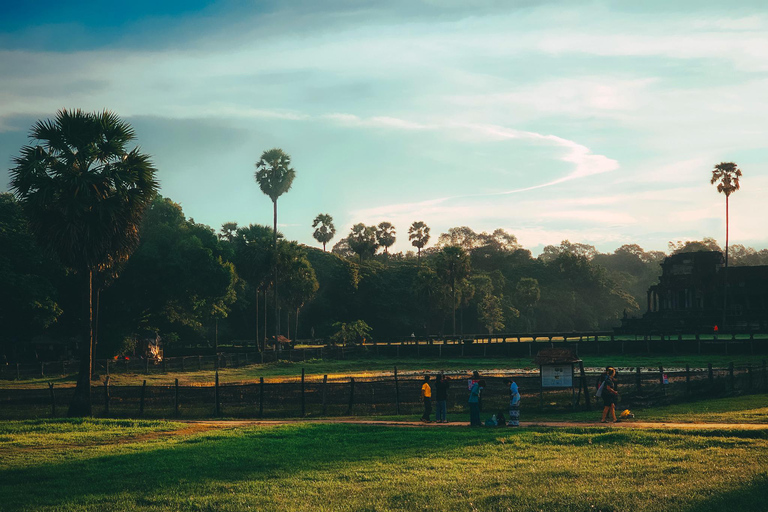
(557, 376)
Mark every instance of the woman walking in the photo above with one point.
(514, 403)
(441, 395)
(610, 395)
(475, 387)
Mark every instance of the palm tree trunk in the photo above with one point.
(296, 331)
(95, 323)
(258, 347)
(453, 305)
(264, 341)
(274, 275)
(323, 246)
(725, 276)
(81, 400)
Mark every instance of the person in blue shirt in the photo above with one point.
(514, 403)
(475, 387)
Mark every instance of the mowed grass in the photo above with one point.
(351, 467)
(368, 367)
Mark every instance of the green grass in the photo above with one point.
(348, 467)
(360, 367)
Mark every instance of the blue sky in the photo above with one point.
(588, 121)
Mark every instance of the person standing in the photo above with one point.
(514, 403)
(609, 395)
(426, 395)
(441, 396)
(475, 387)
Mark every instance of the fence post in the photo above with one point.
(661, 379)
(18, 377)
(749, 377)
(397, 393)
(638, 379)
(351, 395)
(176, 397)
(216, 393)
(303, 403)
(107, 367)
(261, 395)
(53, 400)
(765, 379)
(141, 404)
(325, 386)
(731, 383)
(106, 396)
(42, 368)
(585, 385)
(199, 362)
(710, 375)
(687, 379)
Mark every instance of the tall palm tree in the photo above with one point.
(275, 177)
(326, 231)
(418, 234)
(84, 194)
(385, 236)
(726, 175)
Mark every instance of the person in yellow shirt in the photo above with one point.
(426, 394)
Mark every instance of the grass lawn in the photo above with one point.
(51, 465)
(362, 367)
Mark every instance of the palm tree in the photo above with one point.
(385, 236)
(726, 175)
(326, 231)
(362, 240)
(84, 194)
(275, 177)
(418, 234)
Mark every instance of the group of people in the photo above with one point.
(605, 385)
(475, 386)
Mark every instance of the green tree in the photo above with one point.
(29, 299)
(385, 235)
(362, 240)
(324, 229)
(275, 177)
(726, 175)
(351, 332)
(228, 231)
(452, 264)
(527, 295)
(298, 278)
(84, 194)
(418, 234)
(491, 313)
(253, 259)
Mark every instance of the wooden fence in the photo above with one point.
(315, 397)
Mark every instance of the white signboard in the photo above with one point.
(557, 376)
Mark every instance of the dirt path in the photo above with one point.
(222, 424)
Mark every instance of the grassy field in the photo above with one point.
(316, 368)
(98, 465)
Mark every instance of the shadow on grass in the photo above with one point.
(750, 496)
(257, 454)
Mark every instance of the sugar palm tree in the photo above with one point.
(385, 236)
(326, 230)
(275, 177)
(84, 194)
(418, 234)
(726, 175)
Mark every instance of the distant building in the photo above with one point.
(689, 296)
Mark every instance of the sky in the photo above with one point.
(596, 122)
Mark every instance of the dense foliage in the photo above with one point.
(189, 283)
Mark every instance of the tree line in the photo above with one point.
(89, 250)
